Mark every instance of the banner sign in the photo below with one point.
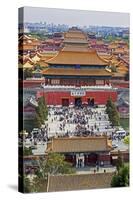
(78, 92)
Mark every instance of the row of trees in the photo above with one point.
(112, 112)
(53, 164)
(41, 112)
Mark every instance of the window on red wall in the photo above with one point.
(99, 82)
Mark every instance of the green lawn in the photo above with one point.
(124, 123)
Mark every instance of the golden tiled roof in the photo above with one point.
(76, 144)
(119, 50)
(42, 63)
(75, 34)
(46, 56)
(36, 58)
(40, 58)
(79, 182)
(74, 57)
(83, 48)
(28, 65)
(77, 72)
(106, 57)
(27, 47)
(118, 74)
(122, 67)
(112, 46)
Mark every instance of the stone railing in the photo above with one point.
(70, 87)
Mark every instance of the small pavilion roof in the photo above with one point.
(28, 65)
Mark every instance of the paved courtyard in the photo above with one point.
(72, 122)
(98, 120)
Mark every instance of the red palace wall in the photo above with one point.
(55, 97)
(124, 155)
(31, 83)
(120, 84)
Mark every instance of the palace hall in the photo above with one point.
(77, 75)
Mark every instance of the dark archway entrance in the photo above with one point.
(78, 101)
(91, 102)
(65, 102)
(92, 159)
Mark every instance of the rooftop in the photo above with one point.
(77, 57)
(76, 72)
(76, 144)
(79, 182)
(77, 34)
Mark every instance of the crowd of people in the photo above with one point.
(78, 121)
(37, 136)
(70, 122)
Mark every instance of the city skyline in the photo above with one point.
(74, 18)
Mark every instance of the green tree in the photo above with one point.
(39, 184)
(27, 151)
(121, 179)
(27, 185)
(115, 118)
(43, 107)
(41, 112)
(120, 162)
(27, 73)
(112, 112)
(109, 105)
(126, 140)
(113, 68)
(54, 164)
(37, 121)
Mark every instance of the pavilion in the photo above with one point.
(83, 151)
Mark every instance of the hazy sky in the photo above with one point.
(75, 17)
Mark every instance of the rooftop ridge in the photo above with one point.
(82, 138)
(97, 174)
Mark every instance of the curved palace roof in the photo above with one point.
(77, 58)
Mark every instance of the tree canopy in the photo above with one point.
(121, 179)
(27, 73)
(112, 112)
(41, 112)
(120, 162)
(27, 151)
(54, 164)
(27, 185)
(126, 140)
